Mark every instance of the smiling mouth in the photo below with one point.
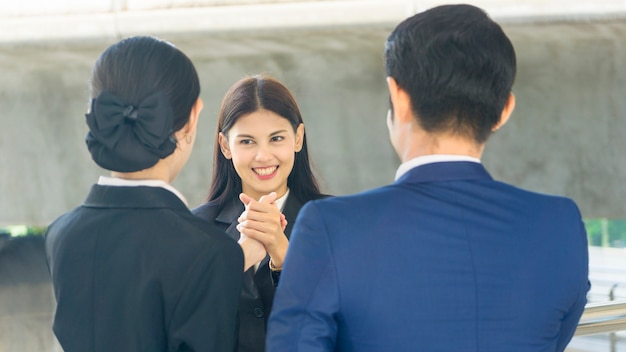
(265, 171)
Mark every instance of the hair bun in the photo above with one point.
(127, 138)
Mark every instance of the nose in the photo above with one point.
(263, 153)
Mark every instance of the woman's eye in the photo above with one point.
(246, 141)
(277, 138)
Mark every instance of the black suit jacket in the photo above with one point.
(257, 292)
(134, 270)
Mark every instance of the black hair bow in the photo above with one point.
(128, 138)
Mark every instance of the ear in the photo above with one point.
(299, 137)
(506, 113)
(224, 147)
(190, 127)
(401, 102)
(193, 117)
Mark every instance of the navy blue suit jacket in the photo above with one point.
(444, 259)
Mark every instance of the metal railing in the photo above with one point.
(600, 318)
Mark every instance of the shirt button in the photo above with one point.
(258, 312)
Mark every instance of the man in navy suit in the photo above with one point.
(445, 258)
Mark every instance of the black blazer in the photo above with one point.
(134, 270)
(257, 292)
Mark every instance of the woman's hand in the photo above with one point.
(263, 221)
(253, 251)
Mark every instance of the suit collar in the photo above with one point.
(446, 171)
(290, 210)
(431, 158)
(115, 181)
(228, 216)
(230, 211)
(101, 196)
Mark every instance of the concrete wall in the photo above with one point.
(26, 298)
(570, 123)
(565, 136)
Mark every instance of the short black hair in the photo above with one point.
(457, 66)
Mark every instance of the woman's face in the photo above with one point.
(262, 146)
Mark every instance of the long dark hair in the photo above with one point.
(246, 96)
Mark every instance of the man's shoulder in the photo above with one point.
(355, 200)
(375, 199)
(535, 196)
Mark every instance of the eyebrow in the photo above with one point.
(252, 137)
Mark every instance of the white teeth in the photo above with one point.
(265, 171)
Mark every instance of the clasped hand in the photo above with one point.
(262, 227)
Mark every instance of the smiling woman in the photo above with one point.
(261, 146)
(261, 179)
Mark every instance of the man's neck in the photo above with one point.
(421, 144)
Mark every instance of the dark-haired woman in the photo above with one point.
(132, 268)
(261, 179)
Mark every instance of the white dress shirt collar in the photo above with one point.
(280, 202)
(433, 158)
(115, 181)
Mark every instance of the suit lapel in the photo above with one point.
(228, 216)
(290, 210)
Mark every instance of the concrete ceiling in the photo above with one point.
(41, 20)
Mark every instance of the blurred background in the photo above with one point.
(566, 136)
